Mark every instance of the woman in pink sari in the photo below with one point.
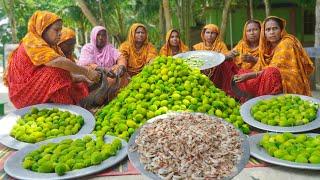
(100, 53)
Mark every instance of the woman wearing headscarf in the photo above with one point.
(100, 53)
(266, 82)
(221, 75)
(246, 52)
(67, 42)
(38, 72)
(173, 44)
(137, 51)
(285, 52)
(211, 40)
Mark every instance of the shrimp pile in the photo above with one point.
(189, 146)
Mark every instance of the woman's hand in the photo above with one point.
(93, 66)
(246, 76)
(249, 58)
(232, 54)
(120, 71)
(241, 77)
(93, 75)
(81, 78)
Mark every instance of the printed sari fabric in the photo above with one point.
(30, 81)
(220, 75)
(243, 48)
(105, 57)
(166, 48)
(136, 59)
(267, 82)
(67, 34)
(290, 58)
(218, 44)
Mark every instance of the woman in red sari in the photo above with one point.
(285, 52)
(38, 72)
(221, 75)
(262, 83)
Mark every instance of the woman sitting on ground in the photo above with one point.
(220, 75)
(38, 72)
(67, 42)
(137, 51)
(100, 53)
(268, 82)
(210, 40)
(246, 52)
(283, 51)
(173, 44)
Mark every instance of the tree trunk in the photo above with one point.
(224, 19)
(12, 21)
(10, 13)
(267, 7)
(183, 13)
(162, 23)
(317, 39)
(180, 17)
(250, 5)
(187, 15)
(101, 18)
(167, 15)
(80, 33)
(122, 31)
(86, 11)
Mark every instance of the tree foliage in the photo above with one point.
(117, 16)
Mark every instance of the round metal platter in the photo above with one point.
(134, 156)
(245, 111)
(209, 59)
(13, 166)
(10, 120)
(258, 152)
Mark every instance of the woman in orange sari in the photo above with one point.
(137, 50)
(67, 42)
(38, 72)
(173, 44)
(211, 41)
(246, 52)
(221, 75)
(283, 51)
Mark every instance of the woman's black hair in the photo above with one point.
(254, 21)
(175, 30)
(278, 21)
